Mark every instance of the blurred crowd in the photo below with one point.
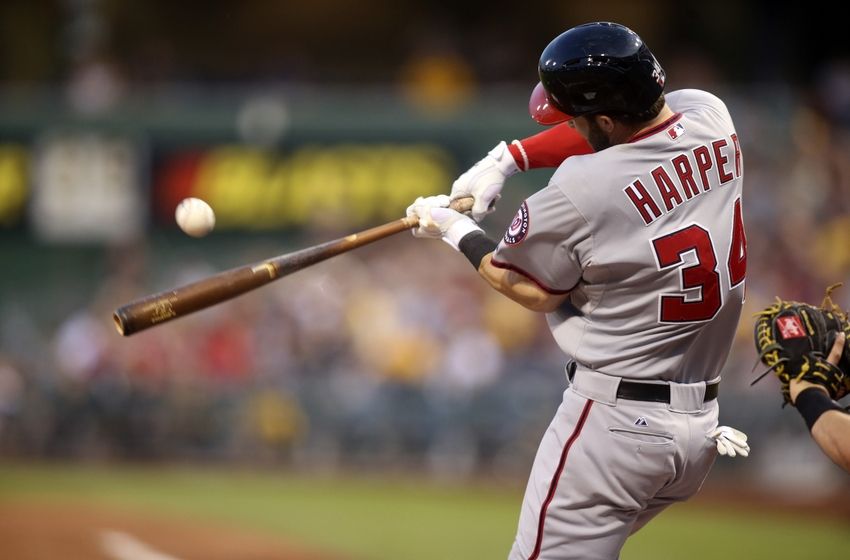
(392, 353)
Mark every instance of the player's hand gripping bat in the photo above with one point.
(171, 304)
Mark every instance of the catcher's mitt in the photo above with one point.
(794, 339)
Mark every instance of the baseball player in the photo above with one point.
(636, 252)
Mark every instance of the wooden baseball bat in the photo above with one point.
(170, 304)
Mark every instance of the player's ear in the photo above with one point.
(605, 122)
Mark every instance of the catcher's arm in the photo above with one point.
(832, 433)
(829, 424)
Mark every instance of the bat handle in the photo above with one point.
(462, 205)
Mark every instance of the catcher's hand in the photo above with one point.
(795, 339)
(797, 386)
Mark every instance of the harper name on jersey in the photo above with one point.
(685, 176)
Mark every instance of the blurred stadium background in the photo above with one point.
(302, 122)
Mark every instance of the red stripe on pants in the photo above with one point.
(553, 485)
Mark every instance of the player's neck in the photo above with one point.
(665, 114)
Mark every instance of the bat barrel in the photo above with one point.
(141, 314)
(169, 305)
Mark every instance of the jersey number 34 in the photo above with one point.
(704, 275)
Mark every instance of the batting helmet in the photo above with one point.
(596, 68)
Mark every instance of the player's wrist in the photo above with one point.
(475, 245)
(520, 155)
(812, 403)
(505, 160)
(797, 386)
(459, 229)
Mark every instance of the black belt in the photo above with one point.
(657, 392)
(651, 392)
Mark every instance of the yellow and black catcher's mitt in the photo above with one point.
(794, 339)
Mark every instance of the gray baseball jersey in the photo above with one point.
(647, 238)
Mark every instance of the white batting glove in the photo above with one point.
(730, 441)
(484, 180)
(438, 221)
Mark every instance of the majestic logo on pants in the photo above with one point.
(519, 226)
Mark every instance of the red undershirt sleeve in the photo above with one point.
(549, 148)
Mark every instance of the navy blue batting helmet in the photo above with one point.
(600, 67)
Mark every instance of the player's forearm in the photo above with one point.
(479, 249)
(549, 148)
(832, 434)
(518, 288)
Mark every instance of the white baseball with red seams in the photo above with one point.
(195, 217)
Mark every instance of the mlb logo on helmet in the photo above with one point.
(658, 73)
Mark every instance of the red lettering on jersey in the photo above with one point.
(685, 172)
(722, 160)
(666, 188)
(737, 263)
(643, 202)
(737, 146)
(704, 163)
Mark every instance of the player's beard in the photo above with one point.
(596, 137)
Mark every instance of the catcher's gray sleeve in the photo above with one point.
(548, 241)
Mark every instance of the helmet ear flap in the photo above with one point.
(542, 110)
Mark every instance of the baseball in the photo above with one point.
(195, 217)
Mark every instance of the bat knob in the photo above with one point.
(119, 322)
